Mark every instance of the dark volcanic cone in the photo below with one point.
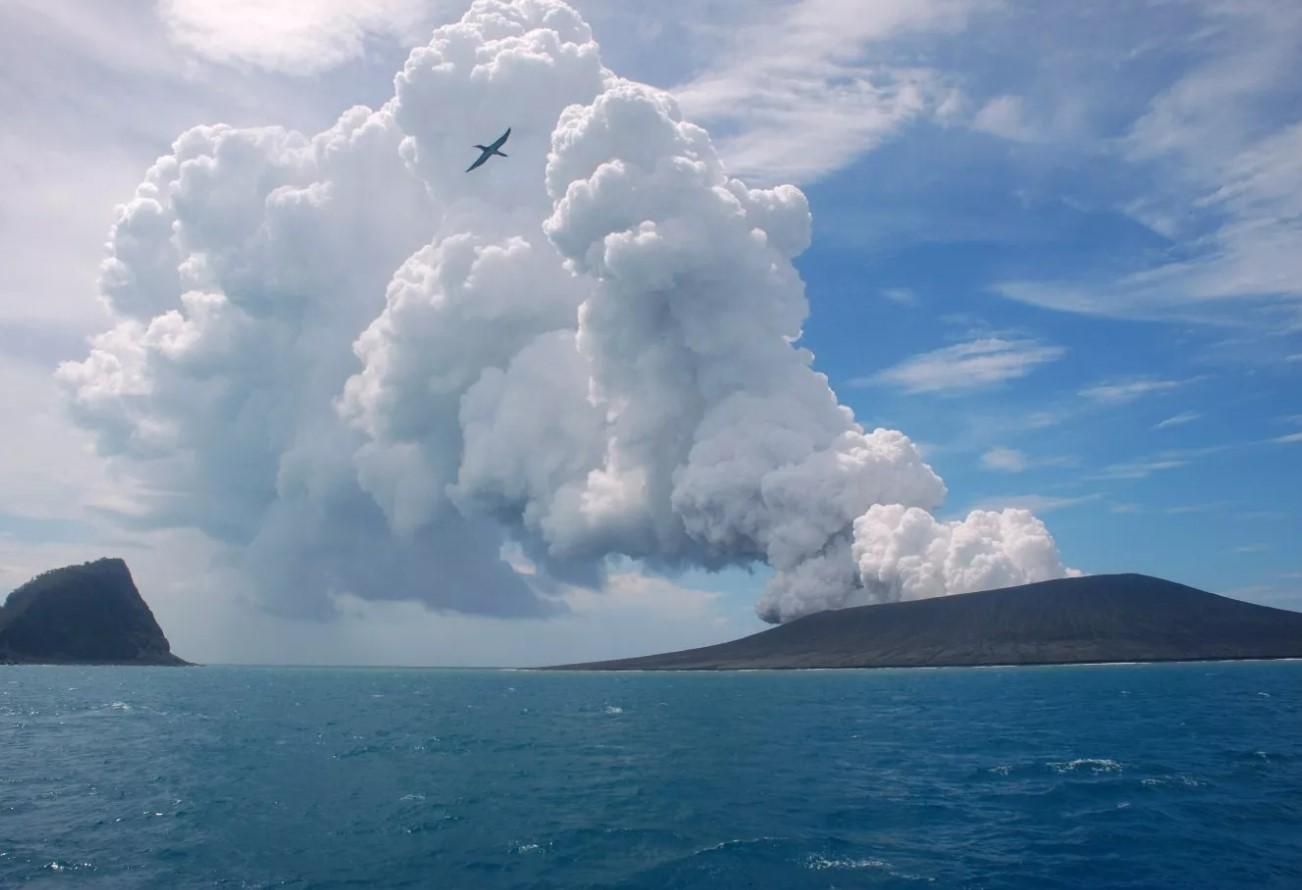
(1073, 620)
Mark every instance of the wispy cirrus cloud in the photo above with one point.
(1140, 469)
(1212, 155)
(1185, 509)
(1005, 460)
(976, 364)
(1012, 460)
(1174, 420)
(1123, 391)
(1004, 116)
(1169, 459)
(824, 67)
(300, 37)
(1036, 503)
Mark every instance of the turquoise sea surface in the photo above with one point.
(1137, 776)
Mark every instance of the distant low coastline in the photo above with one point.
(596, 666)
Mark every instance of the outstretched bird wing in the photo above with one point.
(483, 156)
(501, 140)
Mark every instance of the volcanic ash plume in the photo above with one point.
(363, 370)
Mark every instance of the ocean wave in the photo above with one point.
(738, 842)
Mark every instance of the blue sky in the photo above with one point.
(1060, 248)
(1152, 445)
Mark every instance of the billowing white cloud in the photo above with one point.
(366, 371)
(905, 553)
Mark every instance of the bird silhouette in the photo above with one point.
(487, 151)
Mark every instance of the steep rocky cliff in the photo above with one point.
(84, 614)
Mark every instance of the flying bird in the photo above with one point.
(487, 151)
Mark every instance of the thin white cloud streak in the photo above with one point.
(1036, 503)
(1121, 392)
(1185, 509)
(1140, 469)
(976, 364)
(1180, 419)
(1169, 459)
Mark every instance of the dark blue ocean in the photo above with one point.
(1185, 776)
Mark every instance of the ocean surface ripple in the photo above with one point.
(1125, 776)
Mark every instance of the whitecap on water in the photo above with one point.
(614, 709)
(1093, 764)
(819, 863)
(1158, 781)
(69, 866)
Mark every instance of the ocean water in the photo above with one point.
(1111, 776)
